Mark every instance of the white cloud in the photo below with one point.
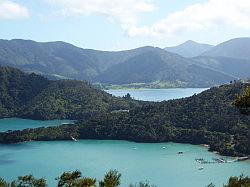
(124, 12)
(11, 10)
(202, 16)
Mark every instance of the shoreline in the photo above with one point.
(237, 158)
(145, 88)
(139, 142)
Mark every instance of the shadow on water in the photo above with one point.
(16, 147)
(5, 159)
(11, 149)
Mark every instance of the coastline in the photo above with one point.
(206, 146)
(118, 139)
(236, 158)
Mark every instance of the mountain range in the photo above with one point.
(205, 66)
(189, 49)
(235, 48)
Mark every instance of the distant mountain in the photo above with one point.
(160, 65)
(60, 60)
(189, 49)
(235, 48)
(238, 68)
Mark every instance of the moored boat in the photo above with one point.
(73, 139)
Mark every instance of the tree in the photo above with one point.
(127, 96)
(68, 179)
(3, 183)
(73, 179)
(86, 182)
(243, 101)
(240, 181)
(29, 181)
(111, 179)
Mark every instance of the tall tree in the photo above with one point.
(68, 179)
(111, 179)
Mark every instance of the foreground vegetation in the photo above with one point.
(207, 118)
(111, 179)
(72, 179)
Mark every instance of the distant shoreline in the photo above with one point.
(124, 88)
(151, 85)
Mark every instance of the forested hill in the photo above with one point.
(33, 96)
(159, 65)
(206, 118)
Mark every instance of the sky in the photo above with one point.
(125, 24)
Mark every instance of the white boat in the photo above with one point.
(163, 147)
(73, 139)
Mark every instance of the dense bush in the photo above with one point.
(243, 101)
(32, 96)
(111, 179)
(68, 179)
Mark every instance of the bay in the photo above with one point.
(157, 94)
(20, 124)
(136, 161)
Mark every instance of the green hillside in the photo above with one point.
(32, 96)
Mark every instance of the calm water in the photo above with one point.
(158, 94)
(20, 124)
(162, 167)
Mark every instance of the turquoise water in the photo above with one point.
(158, 94)
(162, 167)
(20, 124)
